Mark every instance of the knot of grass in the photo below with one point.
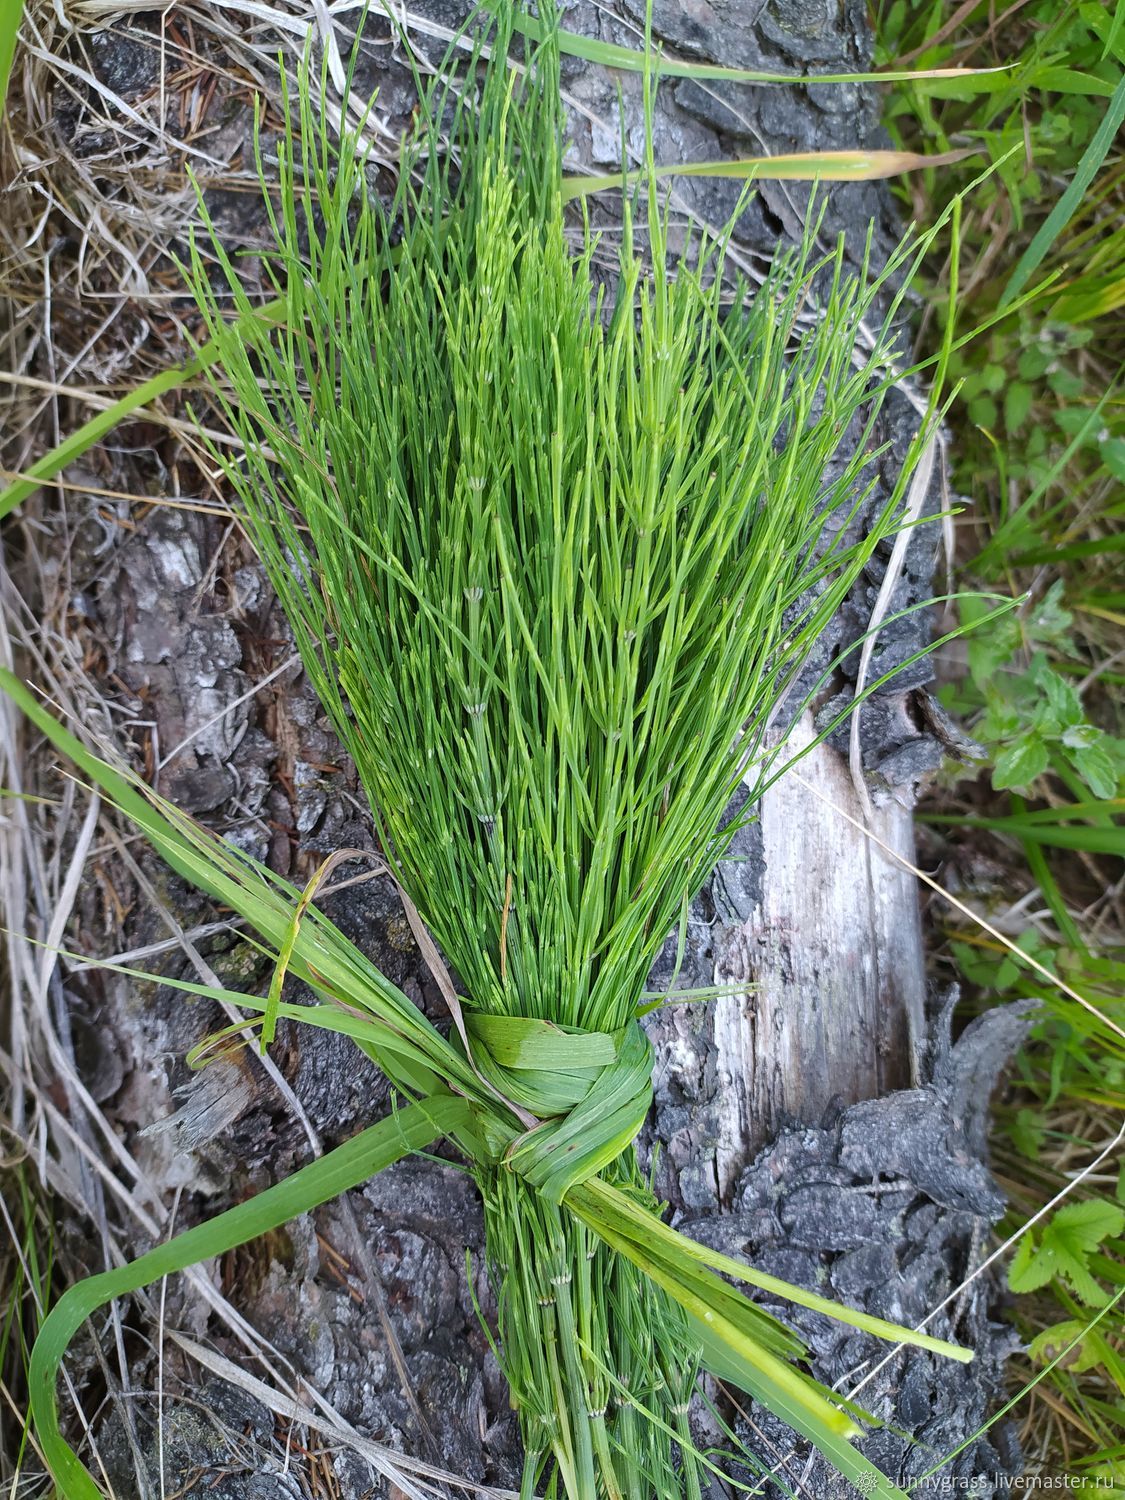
(589, 1343)
(591, 1090)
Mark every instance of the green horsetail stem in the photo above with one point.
(553, 556)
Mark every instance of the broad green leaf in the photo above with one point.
(1069, 1239)
(1017, 405)
(1087, 1352)
(1072, 81)
(1062, 703)
(1018, 765)
(1095, 766)
(1081, 736)
(1029, 1270)
(1083, 1226)
(1027, 1132)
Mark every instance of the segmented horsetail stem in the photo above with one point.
(553, 557)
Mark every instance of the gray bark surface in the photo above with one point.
(818, 1120)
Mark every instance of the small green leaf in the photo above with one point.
(1067, 384)
(1020, 764)
(1050, 620)
(1017, 405)
(1030, 1269)
(1074, 1233)
(983, 411)
(1112, 451)
(1087, 1353)
(1061, 701)
(1082, 736)
(1033, 363)
(1026, 1132)
(989, 649)
(1097, 770)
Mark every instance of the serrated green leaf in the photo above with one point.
(1029, 1269)
(1050, 620)
(1097, 770)
(1018, 765)
(1084, 1226)
(1072, 1235)
(1063, 707)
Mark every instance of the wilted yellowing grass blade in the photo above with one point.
(798, 166)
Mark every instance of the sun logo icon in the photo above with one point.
(867, 1484)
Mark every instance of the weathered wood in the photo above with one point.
(831, 960)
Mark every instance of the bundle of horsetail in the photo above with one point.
(554, 550)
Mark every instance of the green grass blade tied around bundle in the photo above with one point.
(349, 1165)
(552, 555)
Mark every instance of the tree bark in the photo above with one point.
(829, 960)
